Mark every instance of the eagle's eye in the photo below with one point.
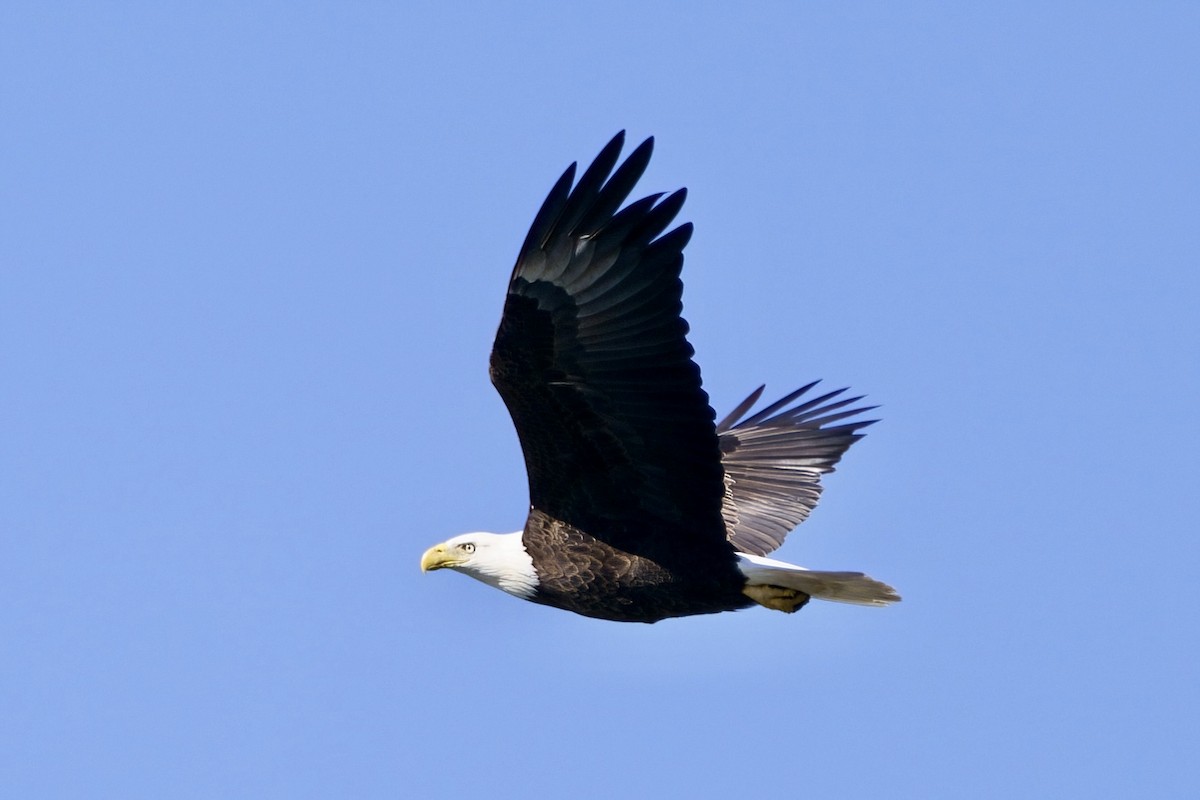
(467, 547)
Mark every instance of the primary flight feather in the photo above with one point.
(641, 506)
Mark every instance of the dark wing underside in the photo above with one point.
(592, 361)
(774, 461)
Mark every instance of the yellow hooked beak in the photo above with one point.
(438, 557)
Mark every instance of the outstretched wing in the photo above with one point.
(592, 361)
(774, 461)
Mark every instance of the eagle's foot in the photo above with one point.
(776, 597)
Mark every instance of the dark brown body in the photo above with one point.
(580, 573)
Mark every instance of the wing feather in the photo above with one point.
(592, 360)
(774, 460)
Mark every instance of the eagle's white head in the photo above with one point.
(497, 559)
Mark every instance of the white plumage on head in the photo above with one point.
(497, 559)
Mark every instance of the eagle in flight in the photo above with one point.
(641, 505)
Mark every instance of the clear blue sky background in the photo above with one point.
(253, 256)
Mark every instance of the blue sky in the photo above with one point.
(252, 261)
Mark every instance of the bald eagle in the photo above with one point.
(642, 506)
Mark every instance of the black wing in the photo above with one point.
(592, 361)
(774, 461)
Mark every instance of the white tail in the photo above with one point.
(841, 587)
